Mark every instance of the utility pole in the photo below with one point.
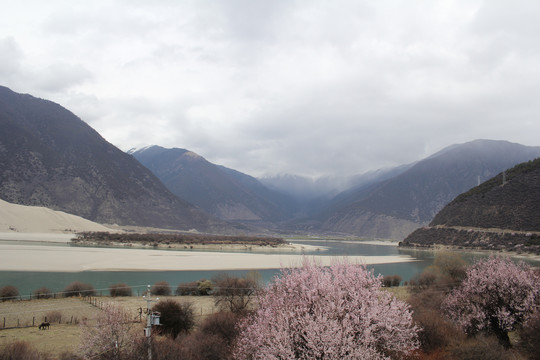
(152, 318)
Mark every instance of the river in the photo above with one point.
(28, 281)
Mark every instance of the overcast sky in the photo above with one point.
(265, 87)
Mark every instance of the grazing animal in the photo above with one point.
(44, 325)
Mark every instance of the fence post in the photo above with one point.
(33, 320)
(4, 323)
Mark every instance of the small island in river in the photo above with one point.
(178, 240)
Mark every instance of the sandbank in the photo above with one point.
(34, 257)
(16, 218)
(36, 237)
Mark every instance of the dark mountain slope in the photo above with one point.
(502, 213)
(510, 200)
(49, 157)
(223, 192)
(396, 206)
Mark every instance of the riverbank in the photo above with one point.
(471, 250)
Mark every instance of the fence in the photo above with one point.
(73, 310)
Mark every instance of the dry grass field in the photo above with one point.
(66, 315)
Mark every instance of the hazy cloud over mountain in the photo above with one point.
(305, 87)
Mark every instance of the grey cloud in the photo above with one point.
(307, 87)
(60, 77)
(10, 62)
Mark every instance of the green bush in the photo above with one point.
(205, 287)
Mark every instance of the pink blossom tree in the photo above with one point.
(111, 337)
(495, 296)
(336, 312)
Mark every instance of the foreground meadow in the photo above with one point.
(22, 318)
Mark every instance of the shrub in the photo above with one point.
(9, 292)
(480, 348)
(387, 280)
(451, 265)
(233, 293)
(77, 288)
(21, 350)
(391, 280)
(335, 312)
(207, 347)
(530, 336)
(424, 280)
(213, 338)
(189, 288)
(396, 281)
(429, 299)
(205, 287)
(162, 349)
(161, 288)
(54, 316)
(43, 293)
(120, 290)
(436, 331)
(175, 317)
(68, 355)
(222, 324)
(495, 296)
(195, 288)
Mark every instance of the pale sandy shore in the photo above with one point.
(33, 257)
(34, 219)
(36, 237)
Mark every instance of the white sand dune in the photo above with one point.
(33, 219)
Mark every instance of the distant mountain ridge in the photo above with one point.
(225, 193)
(501, 213)
(49, 157)
(388, 203)
(394, 207)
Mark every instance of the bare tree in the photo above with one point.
(234, 294)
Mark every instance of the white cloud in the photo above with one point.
(310, 87)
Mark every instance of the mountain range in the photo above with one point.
(392, 208)
(49, 157)
(220, 191)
